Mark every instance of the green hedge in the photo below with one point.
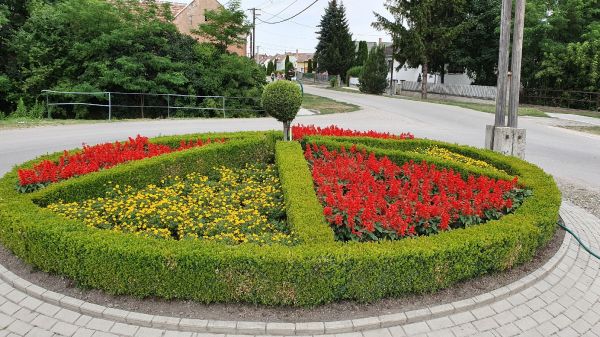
(304, 211)
(319, 270)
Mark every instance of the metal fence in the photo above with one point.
(471, 91)
(146, 105)
(585, 100)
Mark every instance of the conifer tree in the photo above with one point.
(335, 50)
(373, 79)
(362, 54)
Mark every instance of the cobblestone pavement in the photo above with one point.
(562, 298)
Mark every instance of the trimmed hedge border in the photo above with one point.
(318, 270)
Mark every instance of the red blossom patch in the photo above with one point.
(95, 158)
(301, 131)
(367, 198)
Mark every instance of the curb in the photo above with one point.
(273, 328)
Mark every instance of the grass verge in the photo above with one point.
(487, 108)
(588, 129)
(326, 105)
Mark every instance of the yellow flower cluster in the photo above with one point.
(453, 156)
(238, 206)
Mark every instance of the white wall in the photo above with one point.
(412, 74)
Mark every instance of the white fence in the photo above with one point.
(471, 91)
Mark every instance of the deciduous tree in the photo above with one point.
(423, 31)
(225, 27)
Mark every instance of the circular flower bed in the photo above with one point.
(483, 219)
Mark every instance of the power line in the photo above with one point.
(283, 10)
(292, 21)
(291, 17)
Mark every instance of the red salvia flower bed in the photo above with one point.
(366, 198)
(301, 131)
(95, 158)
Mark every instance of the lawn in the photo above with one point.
(326, 105)
(311, 102)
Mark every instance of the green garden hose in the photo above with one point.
(587, 249)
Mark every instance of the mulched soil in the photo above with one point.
(329, 312)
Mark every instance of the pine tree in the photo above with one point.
(362, 54)
(289, 68)
(335, 50)
(373, 79)
(270, 68)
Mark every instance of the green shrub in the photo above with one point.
(21, 111)
(318, 270)
(373, 79)
(333, 82)
(282, 100)
(355, 71)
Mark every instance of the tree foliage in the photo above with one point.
(476, 49)
(289, 68)
(270, 68)
(561, 45)
(335, 49)
(373, 77)
(362, 54)
(225, 27)
(93, 45)
(309, 67)
(423, 31)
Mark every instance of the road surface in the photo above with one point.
(571, 156)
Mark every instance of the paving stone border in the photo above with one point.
(562, 290)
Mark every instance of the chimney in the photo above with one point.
(380, 41)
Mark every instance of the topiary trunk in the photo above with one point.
(286, 131)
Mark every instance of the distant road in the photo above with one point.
(572, 156)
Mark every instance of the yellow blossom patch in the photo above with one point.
(238, 206)
(446, 154)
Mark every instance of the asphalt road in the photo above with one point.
(569, 155)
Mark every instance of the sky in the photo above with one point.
(300, 32)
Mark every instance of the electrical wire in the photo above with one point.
(586, 248)
(291, 17)
(283, 10)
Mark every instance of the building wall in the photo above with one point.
(193, 15)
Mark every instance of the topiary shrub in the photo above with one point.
(281, 100)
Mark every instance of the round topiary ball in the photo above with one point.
(281, 100)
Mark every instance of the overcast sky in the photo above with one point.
(299, 33)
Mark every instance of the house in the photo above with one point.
(188, 16)
(407, 73)
(299, 60)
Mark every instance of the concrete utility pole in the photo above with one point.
(253, 36)
(506, 17)
(517, 54)
(508, 140)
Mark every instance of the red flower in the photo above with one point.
(98, 157)
(365, 194)
(301, 131)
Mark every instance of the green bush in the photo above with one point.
(21, 111)
(318, 270)
(355, 71)
(373, 78)
(282, 100)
